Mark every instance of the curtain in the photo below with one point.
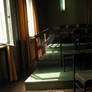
(24, 36)
(36, 27)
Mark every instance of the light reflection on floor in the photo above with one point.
(50, 74)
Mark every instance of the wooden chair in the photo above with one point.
(68, 53)
(67, 46)
(82, 79)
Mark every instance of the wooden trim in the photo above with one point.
(2, 46)
(42, 33)
(45, 45)
(11, 65)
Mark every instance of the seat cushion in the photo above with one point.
(84, 77)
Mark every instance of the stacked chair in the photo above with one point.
(79, 36)
(83, 44)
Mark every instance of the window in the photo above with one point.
(30, 18)
(6, 35)
(9, 23)
(3, 33)
(62, 5)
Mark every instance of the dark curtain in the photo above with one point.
(24, 36)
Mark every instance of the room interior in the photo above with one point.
(40, 40)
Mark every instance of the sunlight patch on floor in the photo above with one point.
(50, 52)
(30, 79)
(54, 76)
(54, 45)
(43, 76)
(38, 77)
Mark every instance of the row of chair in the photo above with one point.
(75, 39)
(79, 37)
(78, 40)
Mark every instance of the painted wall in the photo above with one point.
(75, 12)
(49, 12)
(42, 12)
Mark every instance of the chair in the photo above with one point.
(90, 35)
(67, 46)
(82, 79)
(68, 52)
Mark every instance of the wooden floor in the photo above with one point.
(52, 91)
(20, 87)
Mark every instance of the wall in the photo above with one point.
(89, 11)
(75, 12)
(42, 12)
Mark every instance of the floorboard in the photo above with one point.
(19, 86)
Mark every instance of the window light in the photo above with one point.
(3, 33)
(62, 5)
(6, 34)
(9, 24)
(30, 18)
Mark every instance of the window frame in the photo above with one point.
(8, 22)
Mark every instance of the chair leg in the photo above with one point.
(63, 62)
(84, 90)
(74, 87)
(64, 66)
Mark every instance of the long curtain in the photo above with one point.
(24, 36)
(36, 27)
(25, 49)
